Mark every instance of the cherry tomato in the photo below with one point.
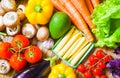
(101, 64)
(81, 68)
(100, 53)
(96, 71)
(107, 58)
(103, 76)
(5, 50)
(92, 59)
(20, 41)
(17, 61)
(87, 74)
(33, 54)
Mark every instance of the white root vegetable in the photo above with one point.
(69, 43)
(64, 40)
(42, 33)
(29, 30)
(79, 55)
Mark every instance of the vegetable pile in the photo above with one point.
(37, 36)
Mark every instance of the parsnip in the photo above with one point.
(64, 40)
(71, 48)
(80, 54)
(80, 48)
(77, 47)
(69, 43)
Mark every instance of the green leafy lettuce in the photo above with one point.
(106, 17)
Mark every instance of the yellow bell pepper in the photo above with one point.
(62, 71)
(39, 11)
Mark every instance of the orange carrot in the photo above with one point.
(95, 2)
(80, 23)
(89, 5)
(57, 4)
(82, 8)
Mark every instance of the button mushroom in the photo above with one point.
(2, 27)
(11, 19)
(4, 66)
(13, 31)
(29, 30)
(42, 33)
(20, 11)
(8, 5)
(2, 12)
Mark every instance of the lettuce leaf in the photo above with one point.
(106, 17)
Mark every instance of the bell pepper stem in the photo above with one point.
(52, 60)
(38, 8)
(61, 76)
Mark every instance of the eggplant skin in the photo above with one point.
(33, 71)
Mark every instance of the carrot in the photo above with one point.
(95, 2)
(57, 4)
(89, 5)
(82, 8)
(77, 18)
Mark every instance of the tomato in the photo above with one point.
(5, 50)
(101, 64)
(81, 68)
(17, 61)
(100, 53)
(96, 71)
(33, 54)
(107, 58)
(87, 74)
(93, 59)
(103, 76)
(20, 41)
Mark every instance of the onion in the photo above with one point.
(42, 33)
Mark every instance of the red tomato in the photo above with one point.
(87, 74)
(96, 71)
(20, 41)
(33, 54)
(101, 65)
(81, 68)
(92, 59)
(100, 53)
(103, 76)
(5, 50)
(107, 58)
(17, 61)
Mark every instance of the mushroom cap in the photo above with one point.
(29, 30)
(11, 19)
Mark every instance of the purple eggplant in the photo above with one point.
(34, 71)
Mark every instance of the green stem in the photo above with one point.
(38, 8)
(61, 76)
(52, 60)
(3, 34)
